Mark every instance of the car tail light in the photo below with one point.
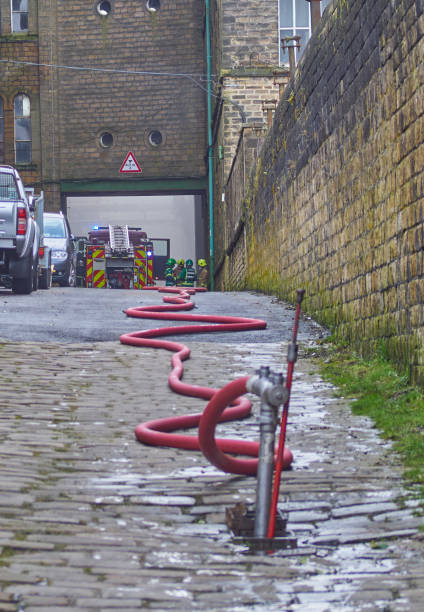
(41, 251)
(22, 221)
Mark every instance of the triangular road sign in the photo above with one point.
(130, 164)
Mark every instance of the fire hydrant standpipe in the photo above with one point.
(226, 404)
(269, 387)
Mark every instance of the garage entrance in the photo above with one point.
(175, 223)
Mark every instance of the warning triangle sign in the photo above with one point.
(130, 164)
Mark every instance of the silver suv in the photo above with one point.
(58, 236)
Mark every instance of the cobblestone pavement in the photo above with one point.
(91, 520)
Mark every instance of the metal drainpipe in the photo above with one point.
(315, 12)
(210, 156)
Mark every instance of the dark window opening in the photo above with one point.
(155, 138)
(19, 15)
(104, 8)
(153, 5)
(106, 139)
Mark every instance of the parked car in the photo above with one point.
(19, 234)
(58, 236)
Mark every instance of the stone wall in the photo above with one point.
(245, 64)
(335, 202)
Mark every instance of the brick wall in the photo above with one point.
(246, 54)
(248, 89)
(335, 202)
(20, 79)
(249, 33)
(127, 105)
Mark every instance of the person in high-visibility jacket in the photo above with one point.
(188, 274)
(202, 273)
(169, 272)
(178, 270)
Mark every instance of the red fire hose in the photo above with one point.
(226, 404)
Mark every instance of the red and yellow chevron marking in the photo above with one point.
(99, 279)
(89, 273)
(150, 271)
(142, 275)
(139, 257)
(89, 268)
(139, 268)
(99, 253)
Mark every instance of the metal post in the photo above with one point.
(210, 145)
(315, 12)
(296, 45)
(269, 387)
(269, 107)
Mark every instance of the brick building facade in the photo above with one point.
(104, 78)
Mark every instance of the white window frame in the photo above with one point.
(20, 12)
(26, 115)
(295, 29)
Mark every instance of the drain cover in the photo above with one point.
(241, 520)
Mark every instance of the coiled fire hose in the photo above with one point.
(226, 404)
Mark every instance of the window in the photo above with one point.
(19, 15)
(295, 20)
(104, 8)
(153, 5)
(1, 131)
(155, 138)
(23, 143)
(54, 226)
(106, 140)
(8, 187)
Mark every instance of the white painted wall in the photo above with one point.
(159, 216)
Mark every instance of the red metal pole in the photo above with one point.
(291, 358)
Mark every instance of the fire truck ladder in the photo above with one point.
(119, 239)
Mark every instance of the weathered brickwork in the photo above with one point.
(112, 95)
(335, 203)
(249, 33)
(230, 240)
(128, 74)
(20, 79)
(249, 91)
(245, 63)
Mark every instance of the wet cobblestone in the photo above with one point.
(91, 520)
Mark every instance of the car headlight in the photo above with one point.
(59, 255)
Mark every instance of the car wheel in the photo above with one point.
(24, 285)
(71, 279)
(46, 277)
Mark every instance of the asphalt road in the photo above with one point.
(75, 315)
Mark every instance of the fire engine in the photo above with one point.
(115, 257)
